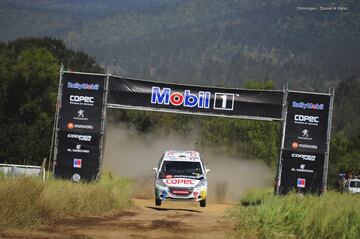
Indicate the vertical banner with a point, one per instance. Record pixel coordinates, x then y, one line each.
305 142
79 127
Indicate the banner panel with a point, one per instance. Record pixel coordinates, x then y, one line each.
82 103
302 172
125 93
307 122
305 142
79 126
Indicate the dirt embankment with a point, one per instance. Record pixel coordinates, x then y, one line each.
144 220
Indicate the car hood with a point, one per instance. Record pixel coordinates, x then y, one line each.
181 182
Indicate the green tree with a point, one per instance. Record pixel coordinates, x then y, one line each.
29 73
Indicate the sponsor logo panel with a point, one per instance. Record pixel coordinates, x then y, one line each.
305 135
78 149
80 115
224 101
76 177
81 100
306 119
77 163
301 182
71 125
306 157
302 169
187 99
296 145
200 100
80 137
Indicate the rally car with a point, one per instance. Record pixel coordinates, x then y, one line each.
181 175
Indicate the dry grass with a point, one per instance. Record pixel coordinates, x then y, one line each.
26 201
332 215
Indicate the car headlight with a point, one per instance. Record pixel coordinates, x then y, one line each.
202 183
160 183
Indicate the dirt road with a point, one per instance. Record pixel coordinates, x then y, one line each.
144 220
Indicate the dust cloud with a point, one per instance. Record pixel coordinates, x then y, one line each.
133 155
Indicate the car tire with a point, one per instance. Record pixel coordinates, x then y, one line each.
203 203
157 202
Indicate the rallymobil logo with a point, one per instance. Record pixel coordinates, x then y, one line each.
186 99
80 137
304 157
82 86
303 105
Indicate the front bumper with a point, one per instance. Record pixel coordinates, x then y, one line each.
179 193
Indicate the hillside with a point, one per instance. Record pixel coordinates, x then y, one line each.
211 42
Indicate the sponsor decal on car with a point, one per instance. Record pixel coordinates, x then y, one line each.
83 86
312 106
179 181
180 192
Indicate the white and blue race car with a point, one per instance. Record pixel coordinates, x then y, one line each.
181 175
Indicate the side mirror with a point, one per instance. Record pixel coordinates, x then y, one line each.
207 170
155 169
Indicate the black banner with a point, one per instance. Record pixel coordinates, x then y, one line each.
79 124
305 141
307 122
194 99
302 171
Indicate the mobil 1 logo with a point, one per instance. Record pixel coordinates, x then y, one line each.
224 101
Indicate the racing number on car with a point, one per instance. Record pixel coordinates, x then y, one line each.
224 101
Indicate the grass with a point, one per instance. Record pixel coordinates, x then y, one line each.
27 201
331 215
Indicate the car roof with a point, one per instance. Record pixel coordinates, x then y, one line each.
354 179
178 155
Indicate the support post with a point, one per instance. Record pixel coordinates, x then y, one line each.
104 120
328 137
283 121
56 121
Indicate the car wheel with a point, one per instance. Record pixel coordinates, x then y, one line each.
157 202
203 203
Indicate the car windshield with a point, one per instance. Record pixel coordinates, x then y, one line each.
355 184
177 168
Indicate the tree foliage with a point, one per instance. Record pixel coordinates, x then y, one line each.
29 72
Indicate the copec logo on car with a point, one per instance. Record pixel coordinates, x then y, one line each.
187 99
176 181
